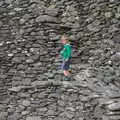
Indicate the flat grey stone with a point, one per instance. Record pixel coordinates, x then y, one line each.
50 112
71 109
1 24
49 75
34 118
52 11
26 103
115 117
40 83
47 18
108 14
15 89
22 31
58 77
94 26
26 81
19 88
18 9
15 116
117 15
112 113
8 1
22 21
3 115
42 110
114 106
29 61
10 54
81 118
69 115
1 43
116 38
1 3
25 112
17 59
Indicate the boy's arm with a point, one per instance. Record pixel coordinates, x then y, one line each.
62 51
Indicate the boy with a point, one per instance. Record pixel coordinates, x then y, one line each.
66 54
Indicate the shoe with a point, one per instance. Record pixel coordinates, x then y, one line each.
66 78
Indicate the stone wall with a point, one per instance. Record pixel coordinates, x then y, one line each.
30 79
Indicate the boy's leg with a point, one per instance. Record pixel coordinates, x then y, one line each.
65 67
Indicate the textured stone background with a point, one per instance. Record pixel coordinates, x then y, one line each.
30 79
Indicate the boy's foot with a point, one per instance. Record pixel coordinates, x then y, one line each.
66 78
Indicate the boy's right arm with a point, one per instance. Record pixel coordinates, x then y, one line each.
62 51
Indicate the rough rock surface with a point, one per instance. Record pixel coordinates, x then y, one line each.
31 86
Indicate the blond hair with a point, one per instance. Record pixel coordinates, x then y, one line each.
64 38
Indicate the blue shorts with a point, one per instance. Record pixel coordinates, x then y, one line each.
65 65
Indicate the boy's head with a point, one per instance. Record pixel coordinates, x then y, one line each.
64 40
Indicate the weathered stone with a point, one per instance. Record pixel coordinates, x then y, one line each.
26 103
17 59
40 83
25 112
58 77
69 115
115 117
19 88
8 1
15 89
108 14
46 18
3 115
93 27
52 11
30 61
34 118
10 54
1 23
29 37
1 3
50 112
49 75
117 15
26 81
22 31
1 44
15 116
22 21
42 110
114 106
71 109
18 9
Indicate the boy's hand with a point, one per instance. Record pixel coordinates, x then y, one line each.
66 60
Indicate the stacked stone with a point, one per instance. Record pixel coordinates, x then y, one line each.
30 31
52 101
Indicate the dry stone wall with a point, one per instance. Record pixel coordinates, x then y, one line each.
30 79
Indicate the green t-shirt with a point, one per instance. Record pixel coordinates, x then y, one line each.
66 52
